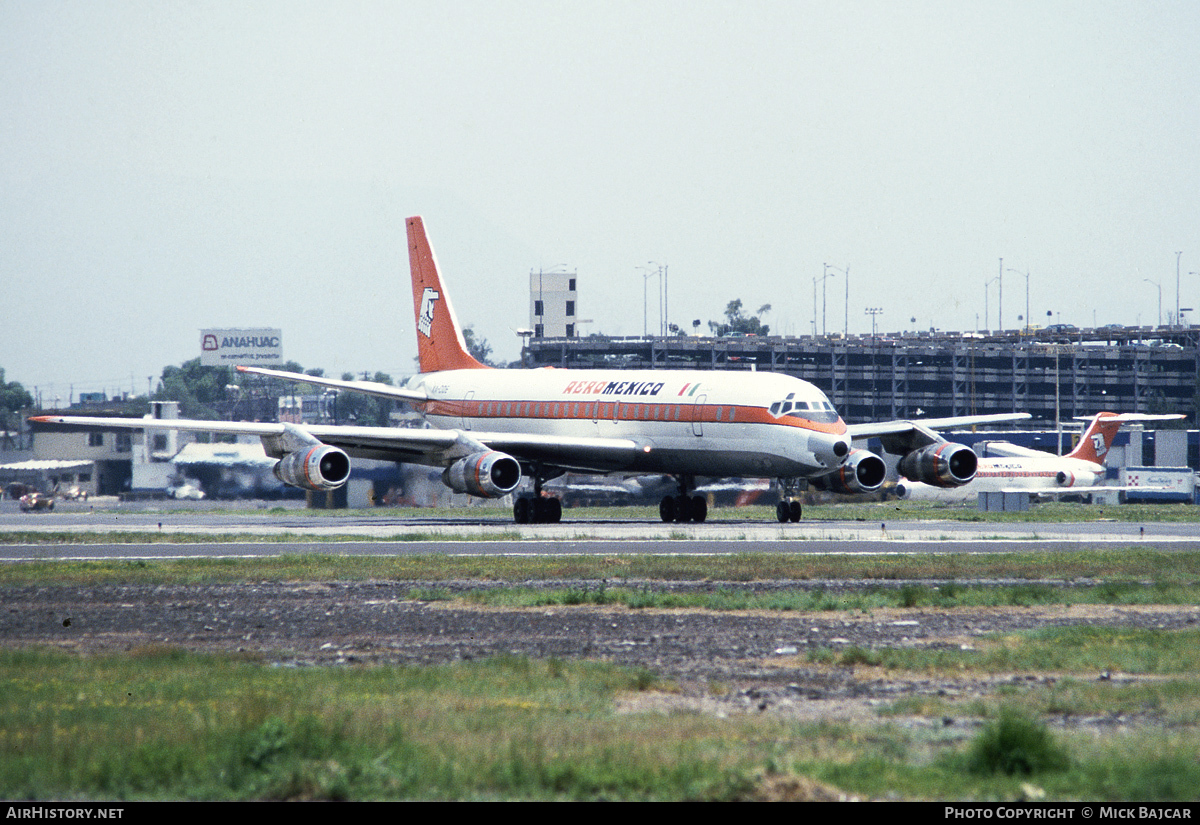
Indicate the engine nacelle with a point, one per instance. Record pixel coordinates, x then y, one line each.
1075 478
861 472
944 464
488 474
318 467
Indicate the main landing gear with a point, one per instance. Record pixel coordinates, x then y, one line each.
788 509
536 508
684 507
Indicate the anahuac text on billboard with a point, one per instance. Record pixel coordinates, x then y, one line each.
230 347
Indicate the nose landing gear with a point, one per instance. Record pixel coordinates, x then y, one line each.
789 509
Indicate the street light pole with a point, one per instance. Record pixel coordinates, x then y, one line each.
987 318
645 280
1026 274
873 312
1147 280
1000 303
845 272
1178 255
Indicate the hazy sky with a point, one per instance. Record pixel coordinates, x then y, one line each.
172 166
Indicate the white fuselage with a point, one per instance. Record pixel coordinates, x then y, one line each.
692 422
996 474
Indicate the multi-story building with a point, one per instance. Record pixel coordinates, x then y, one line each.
553 304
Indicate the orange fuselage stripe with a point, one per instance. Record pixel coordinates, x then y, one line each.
624 411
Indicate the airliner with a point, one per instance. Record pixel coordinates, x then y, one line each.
1007 467
497 432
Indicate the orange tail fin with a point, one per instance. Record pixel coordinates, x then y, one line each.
1097 438
440 344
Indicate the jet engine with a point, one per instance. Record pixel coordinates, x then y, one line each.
1074 478
318 467
489 474
861 472
942 464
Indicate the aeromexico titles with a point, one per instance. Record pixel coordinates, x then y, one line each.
499 432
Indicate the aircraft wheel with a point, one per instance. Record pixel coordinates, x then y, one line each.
537 510
699 509
521 510
783 512
553 510
794 510
683 509
666 509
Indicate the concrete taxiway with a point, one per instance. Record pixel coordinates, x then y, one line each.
275 531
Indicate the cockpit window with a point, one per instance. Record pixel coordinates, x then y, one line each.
818 411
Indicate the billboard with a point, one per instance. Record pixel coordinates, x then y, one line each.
230 347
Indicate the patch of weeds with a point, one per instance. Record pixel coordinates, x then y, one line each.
1015 744
1026 595
948 594
821 656
644 679
860 656
912 595
587 594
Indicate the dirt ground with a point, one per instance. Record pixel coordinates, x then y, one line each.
758 659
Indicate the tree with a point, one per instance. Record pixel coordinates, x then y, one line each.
366 410
478 346
13 396
739 322
197 388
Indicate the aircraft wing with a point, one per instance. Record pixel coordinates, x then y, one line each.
440 447
368 387
903 436
1006 449
1059 492
418 446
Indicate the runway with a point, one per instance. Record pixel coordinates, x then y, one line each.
275 532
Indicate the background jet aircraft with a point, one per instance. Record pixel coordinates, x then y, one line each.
491 429
1006 467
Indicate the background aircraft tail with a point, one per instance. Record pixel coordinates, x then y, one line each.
440 343
1098 437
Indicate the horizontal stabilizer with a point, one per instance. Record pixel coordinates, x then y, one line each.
367 387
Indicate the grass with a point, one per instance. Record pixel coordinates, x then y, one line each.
931 577
165 723
865 599
1072 649
161 723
